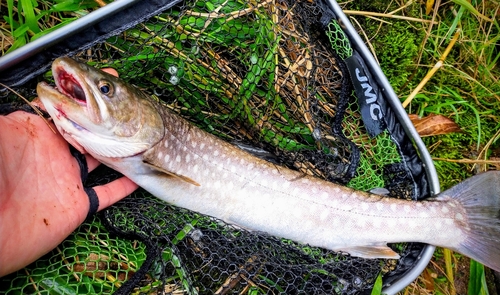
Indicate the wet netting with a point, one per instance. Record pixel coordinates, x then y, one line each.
270 77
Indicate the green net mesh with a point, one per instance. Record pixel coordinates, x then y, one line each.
262 74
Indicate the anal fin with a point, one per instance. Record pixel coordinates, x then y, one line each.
372 251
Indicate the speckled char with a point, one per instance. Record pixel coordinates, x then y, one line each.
187 167
257 195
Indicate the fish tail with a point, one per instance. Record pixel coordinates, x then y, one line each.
480 197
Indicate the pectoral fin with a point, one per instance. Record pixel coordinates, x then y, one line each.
169 173
372 251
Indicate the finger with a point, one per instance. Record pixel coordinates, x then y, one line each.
92 163
114 191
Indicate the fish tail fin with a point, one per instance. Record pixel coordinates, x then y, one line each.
480 197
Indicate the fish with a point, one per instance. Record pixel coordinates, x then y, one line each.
183 165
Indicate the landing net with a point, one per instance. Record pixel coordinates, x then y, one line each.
267 76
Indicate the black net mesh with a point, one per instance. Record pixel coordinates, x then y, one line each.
267 76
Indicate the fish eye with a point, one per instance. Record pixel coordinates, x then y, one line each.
105 88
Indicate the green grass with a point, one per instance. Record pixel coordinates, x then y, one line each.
27 20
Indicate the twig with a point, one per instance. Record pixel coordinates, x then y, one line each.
387 15
467 161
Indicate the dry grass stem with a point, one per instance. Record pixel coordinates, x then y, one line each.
387 15
434 69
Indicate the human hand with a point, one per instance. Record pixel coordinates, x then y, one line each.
42 200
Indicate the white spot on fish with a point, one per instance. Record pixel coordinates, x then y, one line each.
202 145
323 195
393 207
448 221
297 212
193 144
205 157
445 209
167 158
172 137
178 159
459 216
407 208
195 168
250 166
379 206
188 158
165 143
160 155
217 184
412 223
361 222
419 204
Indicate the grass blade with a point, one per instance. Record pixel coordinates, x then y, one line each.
29 14
477 281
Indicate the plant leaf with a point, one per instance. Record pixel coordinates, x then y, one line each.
428 6
29 14
477 281
471 8
377 287
434 125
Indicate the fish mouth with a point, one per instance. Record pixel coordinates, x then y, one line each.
68 85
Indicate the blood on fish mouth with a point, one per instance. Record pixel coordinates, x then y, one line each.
70 86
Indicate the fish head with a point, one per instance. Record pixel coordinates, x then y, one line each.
98 112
